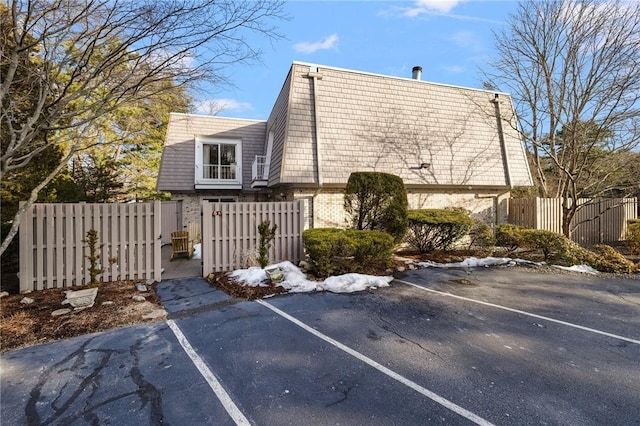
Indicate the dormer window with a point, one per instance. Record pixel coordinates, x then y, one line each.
218 163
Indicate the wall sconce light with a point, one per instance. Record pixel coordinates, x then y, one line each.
421 166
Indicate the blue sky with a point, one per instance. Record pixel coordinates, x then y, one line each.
450 39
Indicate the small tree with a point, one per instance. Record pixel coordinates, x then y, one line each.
93 257
377 201
267 235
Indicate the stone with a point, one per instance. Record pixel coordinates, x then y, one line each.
3 294
141 287
150 282
155 314
138 298
27 301
59 312
107 302
412 267
303 265
84 298
401 269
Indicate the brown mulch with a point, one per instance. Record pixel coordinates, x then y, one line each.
31 324
233 288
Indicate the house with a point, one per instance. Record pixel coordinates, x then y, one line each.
452 146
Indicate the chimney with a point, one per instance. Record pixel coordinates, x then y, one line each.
416 73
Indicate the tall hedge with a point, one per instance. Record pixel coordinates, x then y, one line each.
378 202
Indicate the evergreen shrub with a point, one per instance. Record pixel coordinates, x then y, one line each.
633 236
338 251
378 202
510 236
432 229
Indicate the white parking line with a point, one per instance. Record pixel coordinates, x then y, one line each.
413 385
493 305
208 375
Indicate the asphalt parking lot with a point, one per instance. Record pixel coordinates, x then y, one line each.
455 346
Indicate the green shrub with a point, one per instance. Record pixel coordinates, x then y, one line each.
481 237
267 235
376 201
510 236
338 251
557 248
431 229
609 260
633 236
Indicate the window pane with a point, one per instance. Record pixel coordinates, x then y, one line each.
228 154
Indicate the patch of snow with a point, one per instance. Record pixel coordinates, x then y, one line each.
197 251
349 283
471 262
585 269
295 281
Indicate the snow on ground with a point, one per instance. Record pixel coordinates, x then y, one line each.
197 251
475 262
586 269
295 281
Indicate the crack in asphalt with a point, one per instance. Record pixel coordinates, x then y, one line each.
76 363
185 313
345 395
390 329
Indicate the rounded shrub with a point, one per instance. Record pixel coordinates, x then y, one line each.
510 236
432 229
609 260
378 202
338 251
481 237
632 238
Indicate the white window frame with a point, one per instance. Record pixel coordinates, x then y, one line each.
203 183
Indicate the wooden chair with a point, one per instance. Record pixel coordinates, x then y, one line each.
193 228
180 244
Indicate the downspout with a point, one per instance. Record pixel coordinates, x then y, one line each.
315 75
503 146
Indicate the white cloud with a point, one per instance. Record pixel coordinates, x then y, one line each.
467 40
454 69
216 106
329 42
429 6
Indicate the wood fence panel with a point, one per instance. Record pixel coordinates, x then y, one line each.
230 232
600 220
52 251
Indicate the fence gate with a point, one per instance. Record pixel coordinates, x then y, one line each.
171 219
230 232
52 253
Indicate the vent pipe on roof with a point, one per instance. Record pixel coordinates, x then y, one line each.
416 73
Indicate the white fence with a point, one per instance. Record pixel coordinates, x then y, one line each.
171 219
599 220
230 232
52 253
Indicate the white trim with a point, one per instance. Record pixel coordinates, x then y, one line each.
183 114
268 154
397 78
202 183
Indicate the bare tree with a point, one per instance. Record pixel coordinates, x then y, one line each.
573 69
433 152
67 63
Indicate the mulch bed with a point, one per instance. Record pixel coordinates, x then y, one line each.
233 288
30 324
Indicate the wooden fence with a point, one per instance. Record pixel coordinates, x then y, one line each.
599 220
171 219
52 253
230 232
